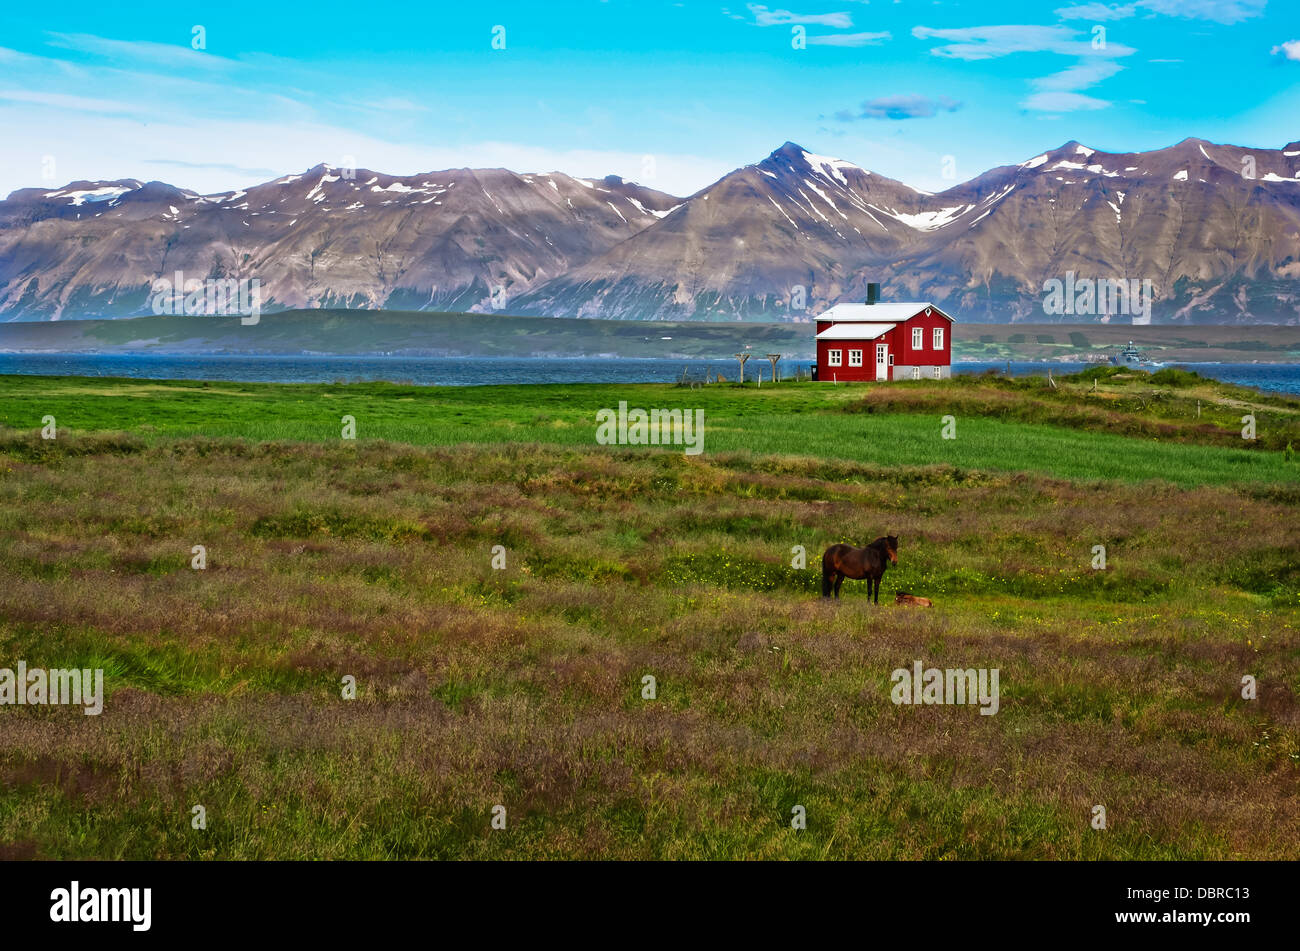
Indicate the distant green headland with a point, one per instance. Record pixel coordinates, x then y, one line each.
422 333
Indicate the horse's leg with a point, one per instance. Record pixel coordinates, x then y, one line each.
878 577
839 580
826 579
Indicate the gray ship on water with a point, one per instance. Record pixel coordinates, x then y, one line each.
1131 356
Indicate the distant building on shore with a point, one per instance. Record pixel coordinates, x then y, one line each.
884 341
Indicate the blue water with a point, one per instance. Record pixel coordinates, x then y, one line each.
477 371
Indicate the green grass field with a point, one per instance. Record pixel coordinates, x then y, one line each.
1009 426
522 686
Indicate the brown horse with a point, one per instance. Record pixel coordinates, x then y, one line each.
845 561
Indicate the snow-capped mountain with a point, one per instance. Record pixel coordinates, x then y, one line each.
1216 244
451 240
1215 228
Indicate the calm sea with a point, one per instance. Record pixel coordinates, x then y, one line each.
479 371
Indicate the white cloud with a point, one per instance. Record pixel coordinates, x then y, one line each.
990 42
1063 102
1055 93
1097 11
850 39
1290 49
163 55
13 56
1220 11
393 104
1059 92
261 174
1080 76
765 17
214 155
228 135
61 101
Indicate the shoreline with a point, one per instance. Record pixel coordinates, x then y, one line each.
451 335
1282 379
1074 359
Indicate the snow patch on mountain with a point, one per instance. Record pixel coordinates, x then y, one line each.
782 210
927 220
80 196
830 167
821 194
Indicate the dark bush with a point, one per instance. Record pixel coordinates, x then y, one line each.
1173 376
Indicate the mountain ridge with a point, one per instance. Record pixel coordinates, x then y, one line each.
1215 228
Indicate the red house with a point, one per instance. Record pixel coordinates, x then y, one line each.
875 341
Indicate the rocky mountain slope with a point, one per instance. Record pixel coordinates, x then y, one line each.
451 240
1214 228
1216 245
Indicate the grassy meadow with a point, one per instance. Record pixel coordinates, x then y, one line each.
522 686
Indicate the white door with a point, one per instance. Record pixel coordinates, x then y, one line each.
882 361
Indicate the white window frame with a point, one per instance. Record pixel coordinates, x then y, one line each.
938 373
938 338
916 373
833 358
918 338
855 358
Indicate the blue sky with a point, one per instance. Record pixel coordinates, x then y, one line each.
670 94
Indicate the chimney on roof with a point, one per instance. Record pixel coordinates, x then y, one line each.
873 293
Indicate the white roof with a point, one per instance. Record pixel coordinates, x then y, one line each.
892 312
856 330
